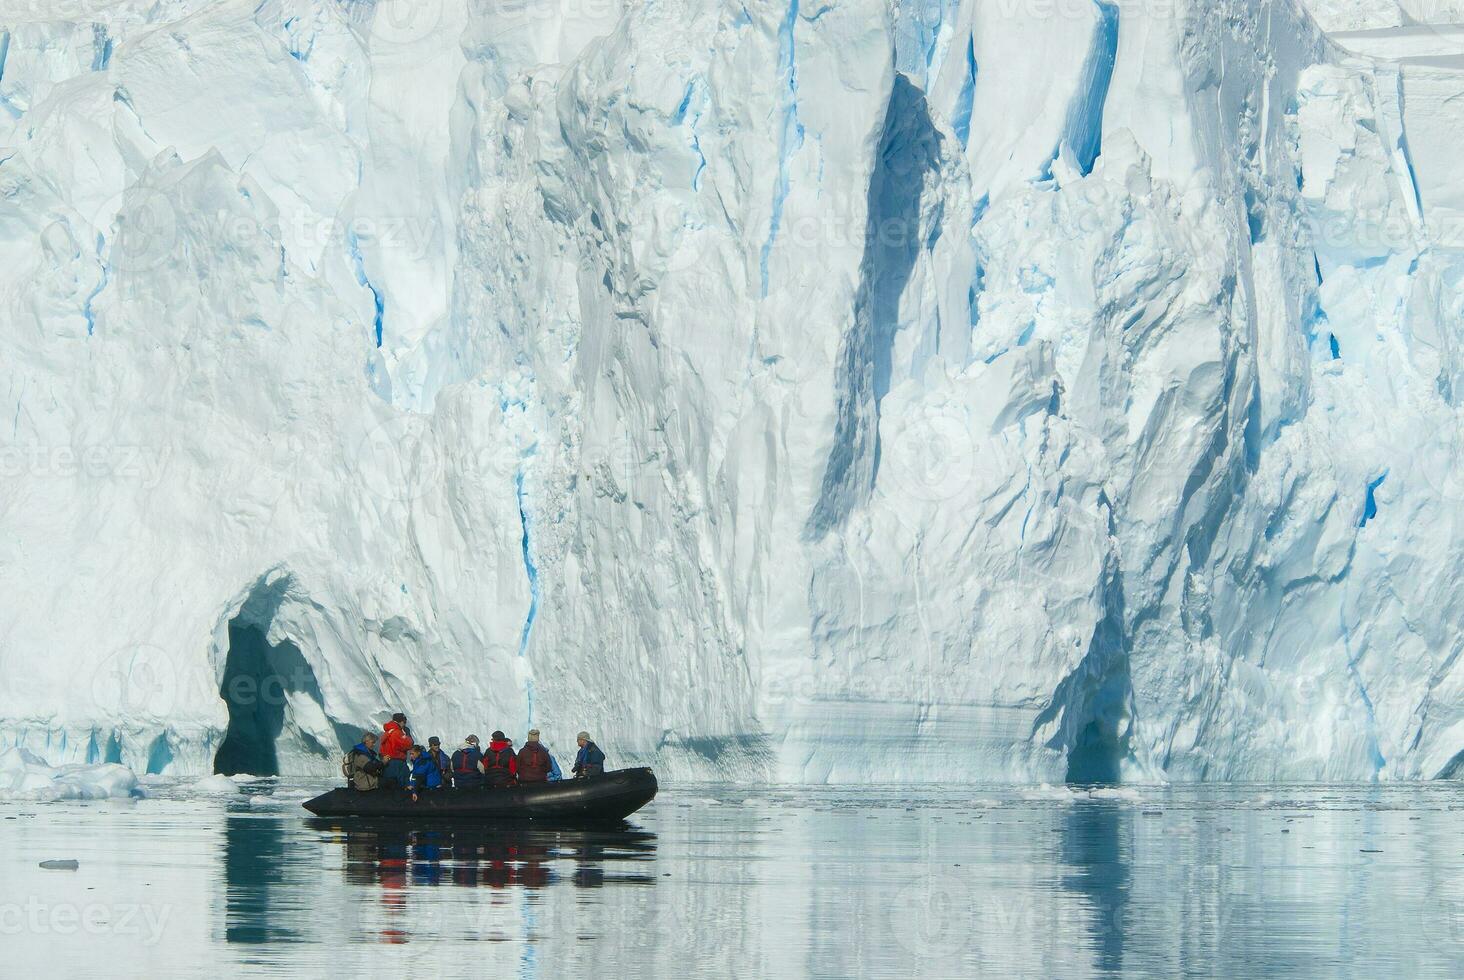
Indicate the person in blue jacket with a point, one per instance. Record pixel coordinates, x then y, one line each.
425 774
444 762
590 761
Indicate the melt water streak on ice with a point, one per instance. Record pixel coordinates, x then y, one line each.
1376 752
359 265
102 46
5 103
694 138
790 134
1083 131
532 571
961 119
87 311
1370 501
1405 154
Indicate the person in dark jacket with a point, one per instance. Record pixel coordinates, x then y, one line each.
466 770
425 774
398 772
444 763
590 761
362 767
534 761
500 765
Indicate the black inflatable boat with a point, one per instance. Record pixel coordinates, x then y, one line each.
610 796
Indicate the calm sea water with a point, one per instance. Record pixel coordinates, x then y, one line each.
721 881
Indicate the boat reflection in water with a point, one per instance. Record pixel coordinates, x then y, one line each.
401 856
403 864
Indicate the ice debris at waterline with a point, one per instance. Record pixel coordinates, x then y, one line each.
838 392
26 776
215 785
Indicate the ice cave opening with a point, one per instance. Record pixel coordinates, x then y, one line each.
259 680
1096 758
254 691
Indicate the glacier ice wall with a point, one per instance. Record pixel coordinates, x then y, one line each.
813 392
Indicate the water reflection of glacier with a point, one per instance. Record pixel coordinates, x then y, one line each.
984 882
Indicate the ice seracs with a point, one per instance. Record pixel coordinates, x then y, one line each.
837 392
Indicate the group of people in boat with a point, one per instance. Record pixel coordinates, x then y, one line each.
394 760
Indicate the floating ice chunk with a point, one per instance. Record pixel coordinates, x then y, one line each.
26 776
63 864
215 785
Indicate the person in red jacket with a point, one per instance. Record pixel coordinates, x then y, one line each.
396 738
500 765
534 762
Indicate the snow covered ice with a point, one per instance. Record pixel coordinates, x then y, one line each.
943 390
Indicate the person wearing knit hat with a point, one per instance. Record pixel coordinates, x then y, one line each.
590 761
500 764
466 773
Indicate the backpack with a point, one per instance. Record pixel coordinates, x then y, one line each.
533 760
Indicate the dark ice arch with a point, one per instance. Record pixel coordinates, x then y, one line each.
257 681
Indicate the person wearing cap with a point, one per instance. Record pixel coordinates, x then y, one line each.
590 761
440 758
535 764
500 765
466 765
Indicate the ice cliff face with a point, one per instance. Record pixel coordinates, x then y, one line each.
952 389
